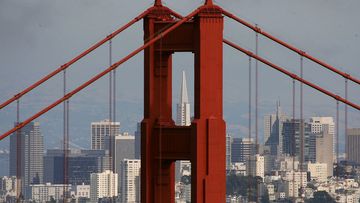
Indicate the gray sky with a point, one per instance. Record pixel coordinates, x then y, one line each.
36 36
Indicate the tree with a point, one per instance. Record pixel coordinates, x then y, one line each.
321 196
245 186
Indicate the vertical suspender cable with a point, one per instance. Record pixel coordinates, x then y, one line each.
337 138
250 136
256 90
18 154
301 123
346 121
65 139
256 106
293 139
110 128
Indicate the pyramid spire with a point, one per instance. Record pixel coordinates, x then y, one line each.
184 94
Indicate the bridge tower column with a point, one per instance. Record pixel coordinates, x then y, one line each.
203 143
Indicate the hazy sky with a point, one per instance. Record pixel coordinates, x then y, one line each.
36 36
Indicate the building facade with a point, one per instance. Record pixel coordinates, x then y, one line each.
102 129
353 146
241 149
130 181
103 185
31 153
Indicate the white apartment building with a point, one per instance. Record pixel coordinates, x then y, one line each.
300 178
44 192
130 181
318 171
255 166
82 191
103 185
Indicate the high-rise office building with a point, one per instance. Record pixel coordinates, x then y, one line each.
81 163
228 151
130 181
102 129
292 144
103 185
241 149
31 153
324 149
138 141
319 124
124 149
183 107
273 127
353 147
183 118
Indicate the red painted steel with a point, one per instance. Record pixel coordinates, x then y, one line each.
292 48
72 61
98 76
292 75
203 143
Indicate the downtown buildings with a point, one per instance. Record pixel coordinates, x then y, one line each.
27 160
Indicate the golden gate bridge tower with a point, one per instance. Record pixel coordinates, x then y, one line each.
203 143
162 142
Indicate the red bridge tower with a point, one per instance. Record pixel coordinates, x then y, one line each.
203 143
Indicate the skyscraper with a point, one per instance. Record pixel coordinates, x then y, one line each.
130 181
320 124
138 141
31 153
228 151
183 107
353 147
273 127
241 149
124 149
102 129
324 149
291 143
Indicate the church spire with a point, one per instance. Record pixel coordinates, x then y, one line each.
184 94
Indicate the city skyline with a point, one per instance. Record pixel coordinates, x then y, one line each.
220 135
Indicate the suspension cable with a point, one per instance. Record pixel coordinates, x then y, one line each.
346 121
250 135
337 138
292 75
290 47
293 140
18 154
65 138
301 124
256 107
256 91
110 127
